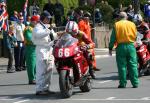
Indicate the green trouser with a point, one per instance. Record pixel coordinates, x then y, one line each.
126 58
30 56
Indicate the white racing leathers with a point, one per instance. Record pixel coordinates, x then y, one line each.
44 57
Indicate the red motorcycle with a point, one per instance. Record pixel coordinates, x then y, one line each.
143 56
71 65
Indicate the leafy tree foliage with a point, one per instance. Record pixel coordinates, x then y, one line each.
18 4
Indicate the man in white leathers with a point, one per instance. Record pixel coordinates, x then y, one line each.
44 58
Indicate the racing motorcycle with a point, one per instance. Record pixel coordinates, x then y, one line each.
143 56
72 66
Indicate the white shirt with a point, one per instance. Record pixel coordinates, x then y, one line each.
18 31
41 35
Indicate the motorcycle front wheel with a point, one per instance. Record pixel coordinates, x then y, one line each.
66 88
87 86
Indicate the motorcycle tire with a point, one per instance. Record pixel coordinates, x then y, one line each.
65 85
87 86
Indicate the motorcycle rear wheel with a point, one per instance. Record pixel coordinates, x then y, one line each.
65 85
87 86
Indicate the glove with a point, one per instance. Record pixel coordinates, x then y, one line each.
84 47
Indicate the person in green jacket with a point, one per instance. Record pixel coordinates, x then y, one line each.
30 53
124 34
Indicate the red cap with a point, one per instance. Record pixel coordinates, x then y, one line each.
35 18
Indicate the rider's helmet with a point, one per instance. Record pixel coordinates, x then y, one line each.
72 28
137 19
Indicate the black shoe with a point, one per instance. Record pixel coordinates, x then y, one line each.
92 74
32 82
10 70
120 86
41 93
46 92
18 69
135 86
97 69
23 68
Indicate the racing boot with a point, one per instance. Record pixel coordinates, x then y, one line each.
92 72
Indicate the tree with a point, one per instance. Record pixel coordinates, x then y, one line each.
18 4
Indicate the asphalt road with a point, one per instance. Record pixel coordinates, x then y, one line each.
14 88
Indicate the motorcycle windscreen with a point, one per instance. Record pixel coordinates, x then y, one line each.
66 47
65 41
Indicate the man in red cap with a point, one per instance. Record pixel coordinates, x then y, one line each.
30 53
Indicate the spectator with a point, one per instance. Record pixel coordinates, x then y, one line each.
8 38
117 11
58 13
147 11
14 18
20 14
28 21
34 9
50 8
11 43
98 16
78 14
30 50
71 11
130 12
19 50
70 16
124 34
44 48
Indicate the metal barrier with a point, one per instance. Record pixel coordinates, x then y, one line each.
57 29
102 36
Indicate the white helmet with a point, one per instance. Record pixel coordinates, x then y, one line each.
138 17
72 27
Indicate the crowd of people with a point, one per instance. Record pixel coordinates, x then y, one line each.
30 45
29 42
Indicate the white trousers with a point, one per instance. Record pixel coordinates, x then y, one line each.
43 70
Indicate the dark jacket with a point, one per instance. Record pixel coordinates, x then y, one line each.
9 40
58 9
50 8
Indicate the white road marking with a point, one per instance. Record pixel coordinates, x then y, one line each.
101 49
111 99
106 81
146 98
8 99
21 101
104 56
